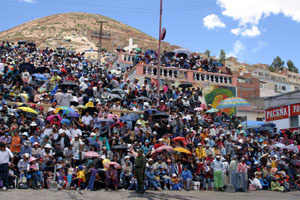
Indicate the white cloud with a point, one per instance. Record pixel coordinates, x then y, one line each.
243 31
27 1
250 12
238 49
260 45
212 21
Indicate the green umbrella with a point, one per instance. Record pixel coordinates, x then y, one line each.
212 110
138 49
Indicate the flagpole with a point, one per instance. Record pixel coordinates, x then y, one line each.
158 62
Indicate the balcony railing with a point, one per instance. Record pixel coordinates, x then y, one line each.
212 78
182 75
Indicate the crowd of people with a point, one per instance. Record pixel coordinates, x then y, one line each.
182 59
57 128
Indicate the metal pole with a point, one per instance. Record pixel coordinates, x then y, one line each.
100 42
158 62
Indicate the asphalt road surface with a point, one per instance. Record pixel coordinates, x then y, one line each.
16 194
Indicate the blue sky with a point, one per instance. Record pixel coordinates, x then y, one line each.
255 31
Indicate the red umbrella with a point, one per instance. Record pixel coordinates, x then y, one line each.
51 117
164 147
116 165
158 145
91 154
180 139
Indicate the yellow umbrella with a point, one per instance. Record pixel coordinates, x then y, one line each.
182 150
89 105
27 109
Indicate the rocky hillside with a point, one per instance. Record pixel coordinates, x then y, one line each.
75 31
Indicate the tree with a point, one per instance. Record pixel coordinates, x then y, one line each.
277 63
291 66
222 55
207 52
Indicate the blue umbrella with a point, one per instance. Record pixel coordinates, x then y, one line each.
218 64
55 70
130 117
40 76
73 114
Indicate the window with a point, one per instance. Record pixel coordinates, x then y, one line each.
283 88
261 85
294 121
276 88
296 88
260 74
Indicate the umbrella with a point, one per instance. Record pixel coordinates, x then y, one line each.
144 99
185 85
40 76
41 69
164 147
31 44
27 109
198 109
138 50
182 51
170 54
51 117
160 115
73 114
69 84
30 67
91 154
150 111
120 146
22 42
118 91
218 64
182 150
212 110
115 97
280 145
107 121
90 110
181 139
233 102
65 109
130 117
116 165
56 70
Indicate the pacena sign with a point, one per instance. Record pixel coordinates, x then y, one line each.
277 113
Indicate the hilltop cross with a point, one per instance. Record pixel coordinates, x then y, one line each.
131 45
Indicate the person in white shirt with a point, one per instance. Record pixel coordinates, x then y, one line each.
5 155
47 130
75 131
77 143
86 119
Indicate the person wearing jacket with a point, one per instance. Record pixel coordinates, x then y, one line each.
151 178
186 177
218 167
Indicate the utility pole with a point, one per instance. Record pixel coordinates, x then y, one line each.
100 41
158 62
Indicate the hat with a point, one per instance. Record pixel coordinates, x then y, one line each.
154 133
139 123
103 157
33 124
174 175
126 157
160 140
32 159
150 159
199 144
256 163
36 143
80 167
48 146
85 79
25 134
26 142
156 124
240 126
147 141
93 134
26 155
141 150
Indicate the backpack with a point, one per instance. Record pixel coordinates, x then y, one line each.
23 183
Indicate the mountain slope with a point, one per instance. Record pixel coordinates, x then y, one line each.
76 31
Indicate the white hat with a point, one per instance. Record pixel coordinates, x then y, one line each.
25 134
85 79
48 146
26 155
240 126
139 123
33 124
50 109
93 134
160 140
174 175
154 133
206 139
156 124
103 157
126 157
240 140
199 144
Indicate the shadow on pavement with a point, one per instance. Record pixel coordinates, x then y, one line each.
152 195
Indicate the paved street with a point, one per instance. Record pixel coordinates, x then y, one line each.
151 195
